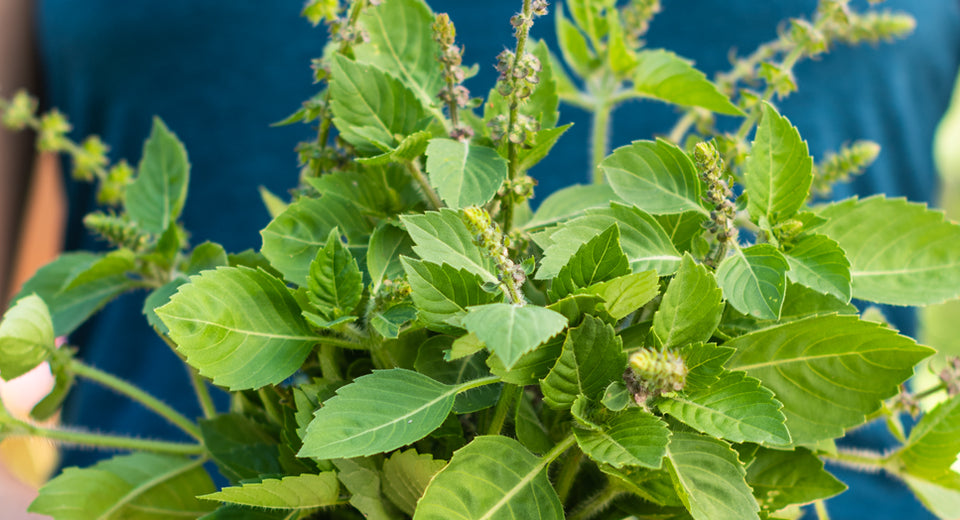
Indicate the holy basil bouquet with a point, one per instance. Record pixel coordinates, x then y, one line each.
412 340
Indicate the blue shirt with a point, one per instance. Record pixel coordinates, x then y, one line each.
219 72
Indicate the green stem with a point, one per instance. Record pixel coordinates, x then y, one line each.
558 450
122 387
600 139
477 383
568 474
203 393
111 441
414 169
596 503
930 391
328 363
340 342
751 119
821 508
861 460
508 395
513 154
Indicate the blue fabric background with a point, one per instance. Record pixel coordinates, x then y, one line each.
219 72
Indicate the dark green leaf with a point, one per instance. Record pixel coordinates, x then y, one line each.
781 478
529 428
633 437
207 255
155 198
571 202
240 327
381 191
335 283
158 298
598 260
592 358
532 366
430 362
387 244
362 478
242 448
442 293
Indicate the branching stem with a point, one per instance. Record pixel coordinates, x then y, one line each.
513 152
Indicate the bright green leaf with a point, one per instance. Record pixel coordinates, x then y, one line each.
464 174
779 170
26 337
238 326
598 260
406 475
934 442
378 190
511 331
709 478
735 407
681 319
292 240
442 293
543 142
625 294
443 236
492 478
137 487
592 358
828 371
362 479
941 497
305 491
663 75
704 364
817 262
155 198
657 177
400 41
431 363
633 437
573 45
754 280
335 283
410 148
378 412
900 252
643 240
571 202
387 244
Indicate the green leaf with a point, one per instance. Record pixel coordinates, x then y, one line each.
598 260
529 428
410 148
532 366
26 337
242 448
464 174
371 108
378 412
704 364
406 475
681 319
573 46
779 170
817 262
900 252
305 491
335 282
780 478
292 240
158 298
736 408
934 442
362 478
274 204
543 142
389 322
235 512
63 378
663 75
493 478
207 255
511 331
592 358
813 364
657 177
387 244
709 478
318 10
633 437
443 236
651 485
400 41
754 280
625 294
137 486
378 190
941 497
571 202
643 240
238 326
589 17
431 363
443 293
683 228
155 198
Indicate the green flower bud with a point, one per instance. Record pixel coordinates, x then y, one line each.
21 110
